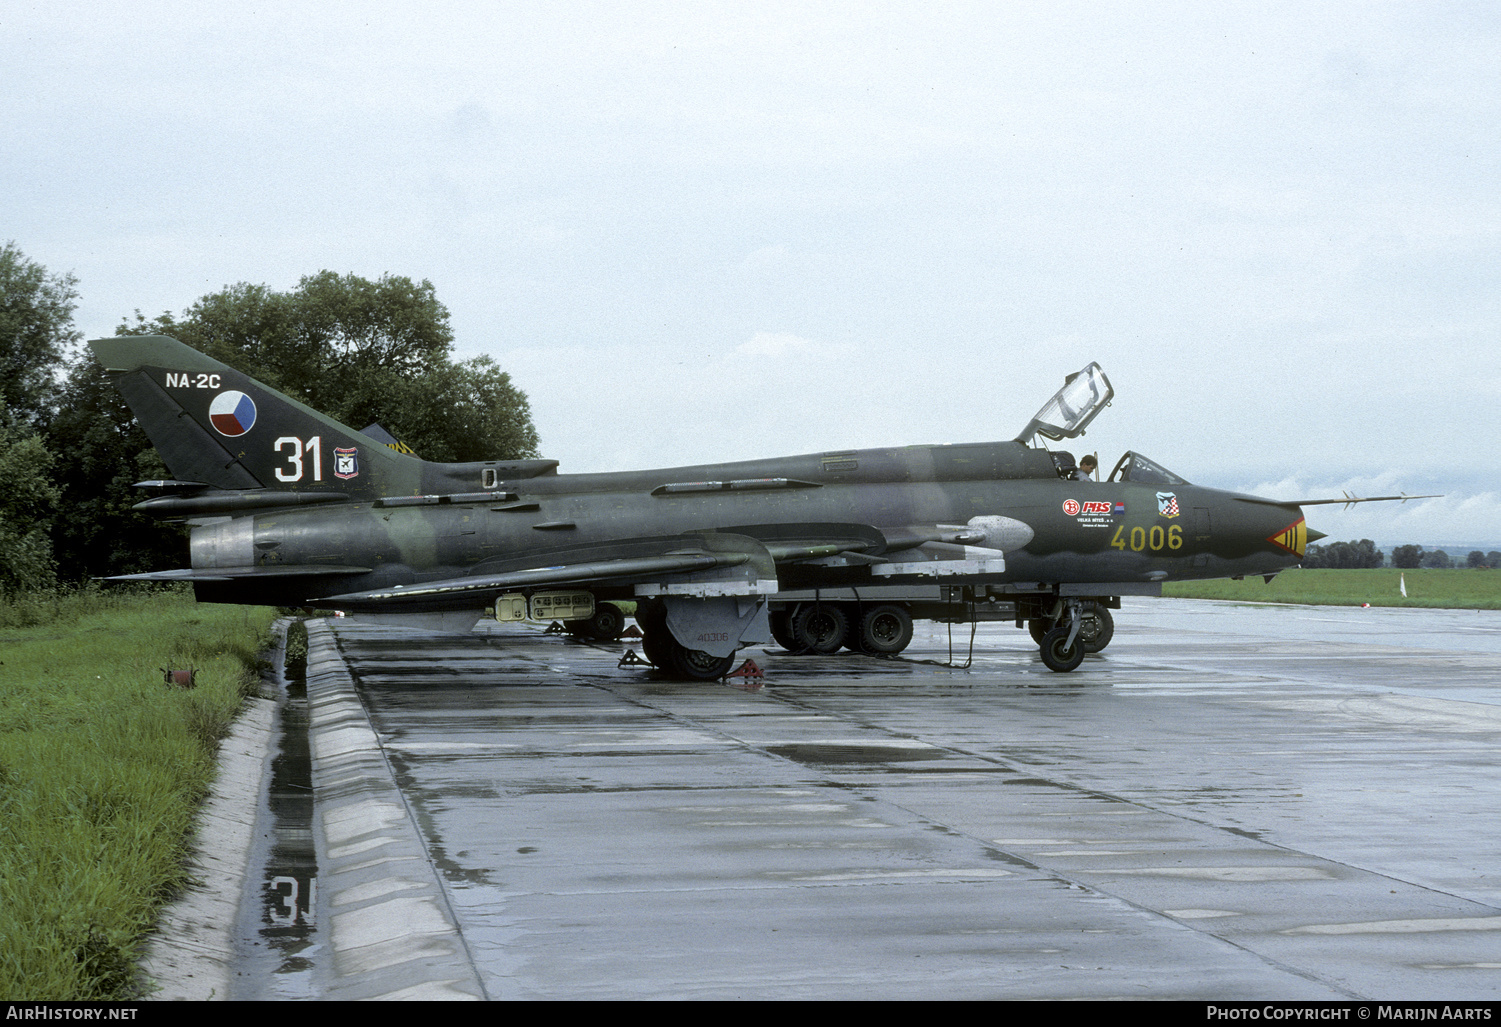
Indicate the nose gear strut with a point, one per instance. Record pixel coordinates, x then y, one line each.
1061 647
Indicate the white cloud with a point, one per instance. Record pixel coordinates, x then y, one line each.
1276 227
784 345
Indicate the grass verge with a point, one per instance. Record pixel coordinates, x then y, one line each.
102 768
1465 589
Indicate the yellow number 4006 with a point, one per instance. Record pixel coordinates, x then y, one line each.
1155 539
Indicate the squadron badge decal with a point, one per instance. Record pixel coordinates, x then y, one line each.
1167 504
346 463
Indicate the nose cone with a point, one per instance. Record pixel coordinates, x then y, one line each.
1314 536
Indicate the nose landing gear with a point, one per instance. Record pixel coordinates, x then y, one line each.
1079 627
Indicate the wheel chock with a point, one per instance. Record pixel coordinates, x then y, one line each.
631 632
556 628
747 672
630 659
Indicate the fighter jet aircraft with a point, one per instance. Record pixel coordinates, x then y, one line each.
294 509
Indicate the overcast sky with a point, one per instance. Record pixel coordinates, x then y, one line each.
697 232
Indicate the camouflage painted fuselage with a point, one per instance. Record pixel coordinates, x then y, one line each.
305 510
1082 531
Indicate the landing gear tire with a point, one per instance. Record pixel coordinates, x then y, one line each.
884 630
1096 627
669 655
819 628
605 626
695 665
1057 653
651 617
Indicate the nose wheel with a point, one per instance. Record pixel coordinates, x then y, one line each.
1095 629
1082 627
1060 652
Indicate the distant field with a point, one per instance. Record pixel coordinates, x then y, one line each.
1452 589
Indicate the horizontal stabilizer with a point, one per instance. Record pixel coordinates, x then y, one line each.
244 573
217 501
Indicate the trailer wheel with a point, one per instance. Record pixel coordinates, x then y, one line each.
607 623
819 628
885 630
781 630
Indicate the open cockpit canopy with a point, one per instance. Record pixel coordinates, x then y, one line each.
1084 394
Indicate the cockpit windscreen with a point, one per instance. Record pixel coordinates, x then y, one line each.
1135 467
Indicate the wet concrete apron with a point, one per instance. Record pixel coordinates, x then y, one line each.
1225 804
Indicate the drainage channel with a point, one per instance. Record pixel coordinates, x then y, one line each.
278 932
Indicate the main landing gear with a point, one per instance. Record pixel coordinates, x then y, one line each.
670 655
884 629
1065 632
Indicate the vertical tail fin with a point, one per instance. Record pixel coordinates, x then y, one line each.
215 425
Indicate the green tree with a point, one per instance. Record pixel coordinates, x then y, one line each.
100 454
360 351
28 504
1408 557
1367 555
36 327
1344 555
363 352
454 411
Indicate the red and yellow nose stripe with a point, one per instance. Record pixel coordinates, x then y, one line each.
1293 538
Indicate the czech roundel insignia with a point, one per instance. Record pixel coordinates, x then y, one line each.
1167 504
232 413
346 463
